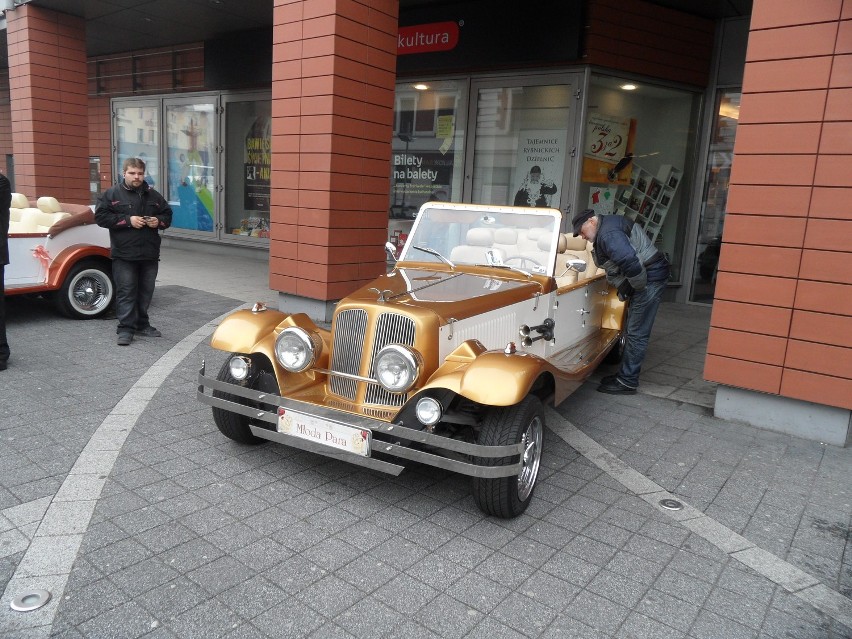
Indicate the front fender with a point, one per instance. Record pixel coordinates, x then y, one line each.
242 331
493 378
499 379
254 333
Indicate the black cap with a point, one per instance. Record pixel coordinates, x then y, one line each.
580 219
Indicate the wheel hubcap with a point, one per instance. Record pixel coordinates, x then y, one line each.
89 294
531 458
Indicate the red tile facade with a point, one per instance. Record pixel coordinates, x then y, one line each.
333 81
782 317
47 59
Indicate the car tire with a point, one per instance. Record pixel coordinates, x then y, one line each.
233 425
88 290
508 497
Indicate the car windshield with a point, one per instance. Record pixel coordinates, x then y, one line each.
522 238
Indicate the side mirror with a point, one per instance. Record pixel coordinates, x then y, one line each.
576 265
390 249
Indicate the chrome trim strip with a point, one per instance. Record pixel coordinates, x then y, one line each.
387 429
357 378
342 455
454 465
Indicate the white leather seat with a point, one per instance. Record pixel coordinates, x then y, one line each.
48 204
19 201
35 220
16 208
506 239
478 240
576 248
528 239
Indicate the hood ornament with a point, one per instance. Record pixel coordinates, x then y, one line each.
258 307
382 294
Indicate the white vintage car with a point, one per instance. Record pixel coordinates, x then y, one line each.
57 250
489 313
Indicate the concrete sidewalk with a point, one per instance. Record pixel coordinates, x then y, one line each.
119 496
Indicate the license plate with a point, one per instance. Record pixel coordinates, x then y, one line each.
320 431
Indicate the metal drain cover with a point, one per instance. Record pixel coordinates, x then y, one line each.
671 504
31 600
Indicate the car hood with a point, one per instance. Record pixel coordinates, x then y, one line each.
446 293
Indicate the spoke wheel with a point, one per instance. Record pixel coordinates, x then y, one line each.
87 291
508 497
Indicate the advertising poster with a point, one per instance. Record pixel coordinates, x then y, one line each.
539 167
257 165
418 177
602 199
190 154
609 141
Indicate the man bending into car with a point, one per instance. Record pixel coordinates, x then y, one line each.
639 272
134 213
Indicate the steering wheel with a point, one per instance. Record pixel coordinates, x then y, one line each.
524 260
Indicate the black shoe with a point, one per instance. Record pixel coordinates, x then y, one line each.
124 339
149 331
3 366
609 379
616 387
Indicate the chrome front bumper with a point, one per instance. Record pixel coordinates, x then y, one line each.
392 440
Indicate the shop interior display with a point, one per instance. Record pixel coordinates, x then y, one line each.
648 197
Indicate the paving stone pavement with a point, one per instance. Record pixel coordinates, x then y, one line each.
118 494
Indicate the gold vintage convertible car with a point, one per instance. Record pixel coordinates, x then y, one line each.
447 360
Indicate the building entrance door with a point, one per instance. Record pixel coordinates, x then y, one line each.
521 150
192 158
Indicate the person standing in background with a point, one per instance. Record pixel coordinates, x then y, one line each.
134 213
5 203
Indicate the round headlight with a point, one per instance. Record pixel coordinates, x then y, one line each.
428 411
239 367
397 367
296 349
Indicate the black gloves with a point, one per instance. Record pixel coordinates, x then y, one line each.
625 291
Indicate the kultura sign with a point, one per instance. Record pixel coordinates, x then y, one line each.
423 38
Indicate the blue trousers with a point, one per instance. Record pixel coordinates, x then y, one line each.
640 320
134 288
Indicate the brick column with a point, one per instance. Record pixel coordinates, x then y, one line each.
334 71
782 317
47 87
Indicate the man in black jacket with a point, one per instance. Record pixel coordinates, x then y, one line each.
639 272
134 213
5 202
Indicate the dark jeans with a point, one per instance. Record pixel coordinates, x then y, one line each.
4 345
134 288
640 319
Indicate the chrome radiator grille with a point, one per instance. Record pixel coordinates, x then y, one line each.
390 329
350 331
